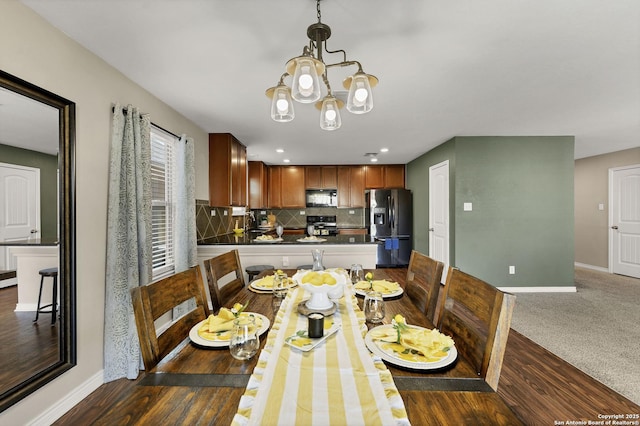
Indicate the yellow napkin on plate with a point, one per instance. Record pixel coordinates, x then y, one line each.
266 282
217 327
383 286
430 344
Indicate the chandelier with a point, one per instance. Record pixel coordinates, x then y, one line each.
307 70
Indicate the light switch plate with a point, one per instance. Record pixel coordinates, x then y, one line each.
601 206
467 207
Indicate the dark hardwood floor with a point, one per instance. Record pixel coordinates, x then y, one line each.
27 347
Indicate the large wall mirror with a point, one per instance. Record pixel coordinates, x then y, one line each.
37 232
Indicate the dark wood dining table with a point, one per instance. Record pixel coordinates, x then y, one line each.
204 385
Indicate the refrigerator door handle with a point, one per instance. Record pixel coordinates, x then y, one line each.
392 214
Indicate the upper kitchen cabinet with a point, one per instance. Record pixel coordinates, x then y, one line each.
384 176
286 187
351 180
321 177
227 171
258 185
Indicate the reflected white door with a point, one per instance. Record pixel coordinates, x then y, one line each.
19 206
439 213
624 220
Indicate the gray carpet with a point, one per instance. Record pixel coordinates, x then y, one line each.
596 329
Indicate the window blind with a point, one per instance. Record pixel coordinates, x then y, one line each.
162 203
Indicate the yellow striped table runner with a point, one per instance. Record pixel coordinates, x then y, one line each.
339 382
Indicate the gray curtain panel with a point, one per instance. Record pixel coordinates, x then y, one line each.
128 238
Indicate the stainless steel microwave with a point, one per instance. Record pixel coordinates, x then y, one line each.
322 198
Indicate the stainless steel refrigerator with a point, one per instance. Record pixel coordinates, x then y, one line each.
389 215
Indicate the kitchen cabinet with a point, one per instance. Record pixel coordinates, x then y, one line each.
321 177
351 186
227 171
394 176
258 185
286 187
384 176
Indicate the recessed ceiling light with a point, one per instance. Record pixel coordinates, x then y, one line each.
384 149
374 160
286 160
280 150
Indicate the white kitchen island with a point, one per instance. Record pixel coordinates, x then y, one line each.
338 252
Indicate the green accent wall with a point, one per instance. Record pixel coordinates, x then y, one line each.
521 189
48 165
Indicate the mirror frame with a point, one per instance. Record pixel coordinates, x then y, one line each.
67 238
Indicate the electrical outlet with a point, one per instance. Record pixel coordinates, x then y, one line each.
512 270
352 212
285 261
302 212
213 213
226 213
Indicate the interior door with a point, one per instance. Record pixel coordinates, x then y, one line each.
439 213
624 220
19 207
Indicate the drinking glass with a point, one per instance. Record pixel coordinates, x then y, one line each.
356 273
244 342
374 307
310 230
317 259
279 230
280 284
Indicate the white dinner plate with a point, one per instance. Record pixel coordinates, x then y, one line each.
256 284
309 240
390 356
273 240
391 295
195 337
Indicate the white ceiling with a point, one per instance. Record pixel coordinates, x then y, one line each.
446 68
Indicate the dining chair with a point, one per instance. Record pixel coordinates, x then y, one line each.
152 301
423 282
217 269
478 317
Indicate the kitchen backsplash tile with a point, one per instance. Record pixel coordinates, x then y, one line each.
291 218
220 224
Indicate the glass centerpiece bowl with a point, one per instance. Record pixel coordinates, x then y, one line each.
320 286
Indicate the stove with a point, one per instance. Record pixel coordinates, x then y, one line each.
323 225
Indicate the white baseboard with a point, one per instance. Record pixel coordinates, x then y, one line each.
26 307
9 282
69 401
595 268
567 289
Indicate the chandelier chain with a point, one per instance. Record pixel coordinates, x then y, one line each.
318 9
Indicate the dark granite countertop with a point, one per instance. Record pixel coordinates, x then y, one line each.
30 242
249 239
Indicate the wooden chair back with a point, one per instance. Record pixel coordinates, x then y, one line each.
152 301
424 276
218 267
478 317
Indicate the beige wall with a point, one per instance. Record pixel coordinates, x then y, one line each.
592 189
35 51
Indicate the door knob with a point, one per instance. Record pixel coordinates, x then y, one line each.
431 229
614 227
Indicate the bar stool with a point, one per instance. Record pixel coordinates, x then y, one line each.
309 267
254 270
53 273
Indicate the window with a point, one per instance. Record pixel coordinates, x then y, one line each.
162 202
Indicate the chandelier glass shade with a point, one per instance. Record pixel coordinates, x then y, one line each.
308 72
